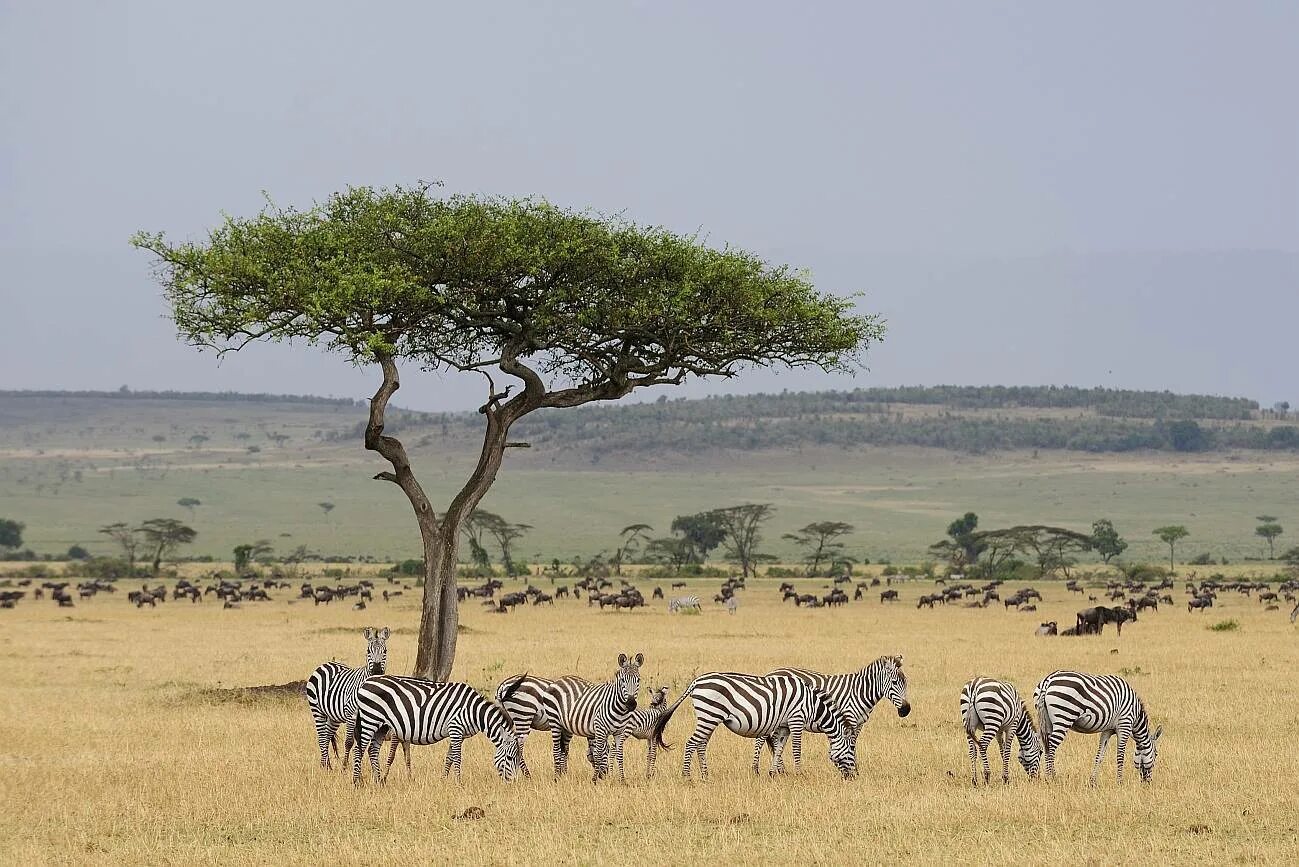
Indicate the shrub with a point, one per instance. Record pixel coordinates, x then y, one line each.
890 570
76 552
1205 559
1225 626
409 567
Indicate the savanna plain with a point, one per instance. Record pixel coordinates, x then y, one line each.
126 737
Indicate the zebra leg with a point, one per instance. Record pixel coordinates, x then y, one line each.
1121 748
523 766
1003 740
559 743
1050 745
324 737
697 746
1100 754
599 743
376 743
777 744
796 744
984 743
757 754
453 754
649 758
974 759
618 742
392 754
356 761
405 751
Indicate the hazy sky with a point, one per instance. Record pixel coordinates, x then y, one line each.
1081 193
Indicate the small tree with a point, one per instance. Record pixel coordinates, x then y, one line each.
197 440
632 535
163 536
742 526
189 504
128 538
505 534
1170 536
11 533
572 307
1106 540
820 541
249 553
670 551
701 532
961 549
1268 531
326 507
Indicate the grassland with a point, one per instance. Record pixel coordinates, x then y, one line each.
121 744
70 465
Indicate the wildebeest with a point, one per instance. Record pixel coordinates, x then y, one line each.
1047 628
1092 620
889 596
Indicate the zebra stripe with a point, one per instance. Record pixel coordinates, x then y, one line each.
523 697
640 725
995 707
1092 704
574 707
771 709
677 603
417 711
857 693
331 694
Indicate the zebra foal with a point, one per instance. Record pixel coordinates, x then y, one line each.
1103 704
994 706
331 693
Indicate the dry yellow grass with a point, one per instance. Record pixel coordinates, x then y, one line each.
116 748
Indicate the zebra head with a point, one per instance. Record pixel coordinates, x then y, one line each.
1030 744
627 680
658 697
376 650
896 684
827 719
1147 748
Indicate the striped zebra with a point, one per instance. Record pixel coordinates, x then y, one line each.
1092 704
331 694
417 711
857 693
770 708
593 712
640 725
679 603
523 697
995 707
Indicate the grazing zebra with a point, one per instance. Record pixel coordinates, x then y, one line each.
594 713
331 693
523 697
995 707
417 711
770 709
677 603
641 726
857 693
731 604
1095 703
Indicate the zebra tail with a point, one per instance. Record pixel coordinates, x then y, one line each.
971 724
662 722
510 690
1043 716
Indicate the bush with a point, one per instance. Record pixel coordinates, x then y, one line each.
1225 626
890 570
1205 559
76 552
409 567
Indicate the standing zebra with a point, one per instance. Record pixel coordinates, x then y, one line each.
418 711
523 697
770 708
679 603
995 707
857 693
640 725
331 693
594 713
1095 703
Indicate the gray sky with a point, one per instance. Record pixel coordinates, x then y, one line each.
1089 194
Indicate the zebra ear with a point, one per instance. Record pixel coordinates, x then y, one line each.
369 633
384 633
898 660
1159 731
640 660
622 660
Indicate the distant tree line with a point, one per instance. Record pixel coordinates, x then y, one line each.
125 393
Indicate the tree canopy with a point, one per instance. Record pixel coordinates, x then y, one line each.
11 533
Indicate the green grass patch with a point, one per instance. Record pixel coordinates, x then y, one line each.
1225 626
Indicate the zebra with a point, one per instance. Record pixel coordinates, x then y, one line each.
995 707
1092 704
594 713
641 726
857 693
677 603
771 709
331 694
1294 614
523 697
417 711
731 604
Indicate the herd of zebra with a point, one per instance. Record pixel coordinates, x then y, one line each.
772 709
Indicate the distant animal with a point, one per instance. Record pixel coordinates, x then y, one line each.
994 708
331 693
658 593
731 604
1103 704
681 603
1048 628
889 596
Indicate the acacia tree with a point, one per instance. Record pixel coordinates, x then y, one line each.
821 540
1268 530
163 536
569 306
1170 536
128 538
701 533
742 525
632 535
1106 540
189 504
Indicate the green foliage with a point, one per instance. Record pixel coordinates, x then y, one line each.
249 553
76 552
1268 531
742 528
11 533
1170 536
409 567
1205 559
1106 541
821 542
1187 436
701 533
1225 626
